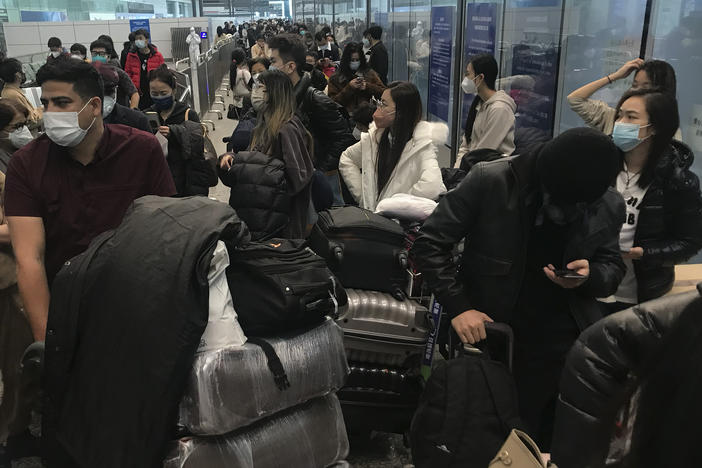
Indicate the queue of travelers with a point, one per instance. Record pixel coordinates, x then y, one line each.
558 237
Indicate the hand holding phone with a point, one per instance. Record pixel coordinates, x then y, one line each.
572 276
568 274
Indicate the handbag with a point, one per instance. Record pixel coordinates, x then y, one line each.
519 451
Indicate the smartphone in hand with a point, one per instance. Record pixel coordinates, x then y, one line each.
568 274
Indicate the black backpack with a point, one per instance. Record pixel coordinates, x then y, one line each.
467 410
281 285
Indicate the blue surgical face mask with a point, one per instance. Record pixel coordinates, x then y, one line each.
99 58
626 135
163 102
140 43
354 64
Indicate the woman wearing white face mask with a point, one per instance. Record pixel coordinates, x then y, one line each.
398 154
239 78
355 82
14 133
490 122
271 182
663 225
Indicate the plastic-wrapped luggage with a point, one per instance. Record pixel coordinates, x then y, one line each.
233 387
379 329
309 436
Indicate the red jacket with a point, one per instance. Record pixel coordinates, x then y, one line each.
133 64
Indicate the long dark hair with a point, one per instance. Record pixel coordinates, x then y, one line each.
662 110
408 113
279 109
661 74
344 67
486 65
667 404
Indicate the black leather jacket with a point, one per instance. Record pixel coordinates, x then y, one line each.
326 121
596 374
670 222
494 208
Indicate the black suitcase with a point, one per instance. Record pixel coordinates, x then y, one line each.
364 250
380 398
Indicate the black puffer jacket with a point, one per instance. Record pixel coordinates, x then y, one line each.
670 222
271 193
259 192
596 374
327 123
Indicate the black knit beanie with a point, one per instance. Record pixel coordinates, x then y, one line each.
578 165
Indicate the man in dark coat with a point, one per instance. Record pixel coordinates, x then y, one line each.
542 234
323 117
113 112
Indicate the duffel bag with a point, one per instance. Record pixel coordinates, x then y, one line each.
281 285
365 250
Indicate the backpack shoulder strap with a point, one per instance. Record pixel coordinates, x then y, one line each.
274 364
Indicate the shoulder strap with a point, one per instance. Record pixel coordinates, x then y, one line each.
187 113
274 364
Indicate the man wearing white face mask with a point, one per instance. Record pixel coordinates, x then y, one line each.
73 183
56 50
112 111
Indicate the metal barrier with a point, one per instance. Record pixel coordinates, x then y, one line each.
212 72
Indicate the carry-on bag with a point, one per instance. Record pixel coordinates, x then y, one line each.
381 330
365 250
281 285
467 410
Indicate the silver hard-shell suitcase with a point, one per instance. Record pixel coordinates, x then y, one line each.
379 329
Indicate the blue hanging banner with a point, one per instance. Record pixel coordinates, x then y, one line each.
135 25
440 61
481 30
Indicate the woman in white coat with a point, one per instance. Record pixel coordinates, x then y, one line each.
398 154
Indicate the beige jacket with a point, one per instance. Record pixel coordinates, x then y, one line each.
493 127
598 114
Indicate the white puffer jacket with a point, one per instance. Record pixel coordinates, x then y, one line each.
417 172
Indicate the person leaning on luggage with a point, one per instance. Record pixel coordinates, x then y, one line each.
528 217
74 182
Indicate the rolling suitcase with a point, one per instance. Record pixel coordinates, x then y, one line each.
385 340
364 250
380 329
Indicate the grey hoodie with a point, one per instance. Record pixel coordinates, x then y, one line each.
493 128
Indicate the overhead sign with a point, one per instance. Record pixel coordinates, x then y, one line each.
203 35
137 24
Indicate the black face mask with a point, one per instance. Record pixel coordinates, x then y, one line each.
308 67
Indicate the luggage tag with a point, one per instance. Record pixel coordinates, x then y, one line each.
436 311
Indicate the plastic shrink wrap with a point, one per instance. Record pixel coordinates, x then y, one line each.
311 435
232 387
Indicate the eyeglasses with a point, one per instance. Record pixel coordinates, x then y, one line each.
99 54
381 105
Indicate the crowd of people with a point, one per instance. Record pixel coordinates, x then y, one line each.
558 236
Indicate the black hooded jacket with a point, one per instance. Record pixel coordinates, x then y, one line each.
327 123
669 228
